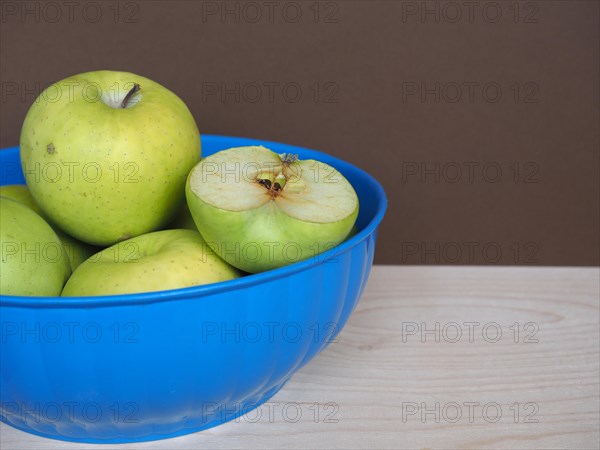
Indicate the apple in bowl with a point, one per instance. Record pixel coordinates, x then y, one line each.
33 262
106 154
162 260
260 210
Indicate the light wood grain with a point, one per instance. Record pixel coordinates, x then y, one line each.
378 371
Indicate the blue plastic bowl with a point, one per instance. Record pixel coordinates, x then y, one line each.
140 367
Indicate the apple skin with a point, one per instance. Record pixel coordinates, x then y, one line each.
34 262
102 173
77 251
247 240
167 259
21 194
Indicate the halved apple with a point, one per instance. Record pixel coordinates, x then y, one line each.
259 210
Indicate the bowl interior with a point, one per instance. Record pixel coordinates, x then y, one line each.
371 196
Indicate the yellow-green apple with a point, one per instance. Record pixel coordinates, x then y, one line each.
157 261
106 154
77 251
34 262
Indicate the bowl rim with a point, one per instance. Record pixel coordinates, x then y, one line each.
229 285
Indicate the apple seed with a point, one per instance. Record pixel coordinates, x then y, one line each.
266 183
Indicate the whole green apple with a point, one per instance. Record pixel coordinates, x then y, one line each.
77 251
106 154
34 262
259 210
157 261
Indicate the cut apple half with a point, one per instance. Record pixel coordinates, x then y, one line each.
260 210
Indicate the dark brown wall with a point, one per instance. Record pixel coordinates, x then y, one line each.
482 128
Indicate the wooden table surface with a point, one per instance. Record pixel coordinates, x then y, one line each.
452 357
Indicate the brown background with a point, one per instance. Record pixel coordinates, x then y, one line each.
363 58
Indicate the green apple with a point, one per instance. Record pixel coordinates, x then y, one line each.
157 261
21 194
106 154
259 210
34 262
77 251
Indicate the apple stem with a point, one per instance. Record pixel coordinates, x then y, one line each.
136 87
288 158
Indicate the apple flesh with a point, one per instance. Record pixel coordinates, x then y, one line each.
168 259
259 210
34 262
106 155
77 251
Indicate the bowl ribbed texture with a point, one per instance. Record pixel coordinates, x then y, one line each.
179 361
